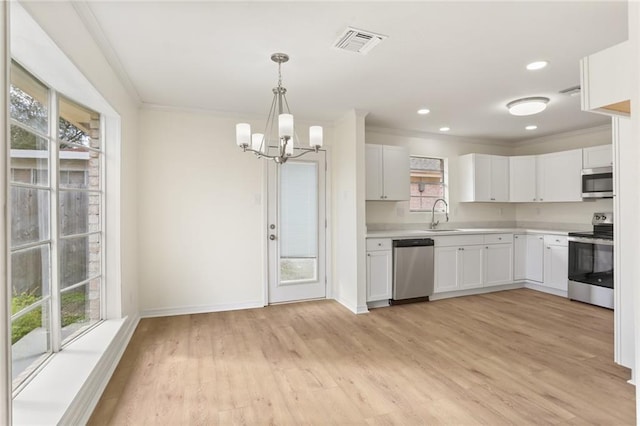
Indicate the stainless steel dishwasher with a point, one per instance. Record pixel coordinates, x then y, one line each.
412 270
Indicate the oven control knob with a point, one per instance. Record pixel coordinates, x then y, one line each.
597 217
604 217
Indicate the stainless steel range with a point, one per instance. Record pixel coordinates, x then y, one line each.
591 263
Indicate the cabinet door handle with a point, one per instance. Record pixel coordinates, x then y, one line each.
548 248
516 237
369 254
541 199
534 199
499 238
493 199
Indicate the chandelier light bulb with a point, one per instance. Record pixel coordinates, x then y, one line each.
243 134
315 136
256 142
285 125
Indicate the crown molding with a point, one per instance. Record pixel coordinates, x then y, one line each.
90 21
577 132
440 136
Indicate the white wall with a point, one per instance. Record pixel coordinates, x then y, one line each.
441 146
347 176
61 22
200 215
450 147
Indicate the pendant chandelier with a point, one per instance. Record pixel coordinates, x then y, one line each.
267 145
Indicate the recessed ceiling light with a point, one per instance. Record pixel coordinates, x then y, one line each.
537 65
444 129
531 127
527 106
423 111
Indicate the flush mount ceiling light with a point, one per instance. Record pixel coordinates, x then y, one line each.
537 65
531 127
444 129
527 106
423 111
267 145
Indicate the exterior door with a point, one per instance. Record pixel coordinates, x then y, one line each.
296 229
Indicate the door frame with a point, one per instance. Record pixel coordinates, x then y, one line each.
328 246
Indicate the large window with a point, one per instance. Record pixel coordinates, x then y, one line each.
56 205
428 183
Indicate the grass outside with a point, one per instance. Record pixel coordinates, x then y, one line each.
73 311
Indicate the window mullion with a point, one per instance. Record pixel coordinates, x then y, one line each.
56 320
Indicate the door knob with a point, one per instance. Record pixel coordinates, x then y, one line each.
272 237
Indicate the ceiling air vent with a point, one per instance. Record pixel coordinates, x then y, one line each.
571 91
358 41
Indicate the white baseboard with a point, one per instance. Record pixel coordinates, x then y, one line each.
473 291
201 309
360 309
82 406
378 304
538 287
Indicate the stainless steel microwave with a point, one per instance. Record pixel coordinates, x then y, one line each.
597 183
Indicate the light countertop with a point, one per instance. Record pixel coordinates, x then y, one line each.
407 233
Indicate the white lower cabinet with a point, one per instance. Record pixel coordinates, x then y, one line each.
470 267
458 268
379 269
446 269
498 264
535 258
519 257
475 261
556 262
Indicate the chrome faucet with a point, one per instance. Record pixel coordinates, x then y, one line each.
433 209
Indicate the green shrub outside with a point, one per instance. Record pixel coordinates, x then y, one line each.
73 311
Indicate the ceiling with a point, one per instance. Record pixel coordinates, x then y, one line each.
463 60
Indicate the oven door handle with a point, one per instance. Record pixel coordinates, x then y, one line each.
590 241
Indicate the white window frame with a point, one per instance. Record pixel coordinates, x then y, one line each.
445 184
36 52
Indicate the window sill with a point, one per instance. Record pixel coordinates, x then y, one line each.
73 379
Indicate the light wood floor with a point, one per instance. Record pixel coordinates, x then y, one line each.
512 357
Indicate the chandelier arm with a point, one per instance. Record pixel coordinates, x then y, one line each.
260 154
304 152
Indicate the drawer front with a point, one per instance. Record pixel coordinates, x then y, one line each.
375 244
458 240
498 238
556 240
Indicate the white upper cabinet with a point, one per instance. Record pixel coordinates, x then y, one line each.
559 176
484 177
605 79
522 179
387 173
597 156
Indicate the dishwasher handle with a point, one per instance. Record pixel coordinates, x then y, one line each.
416 242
